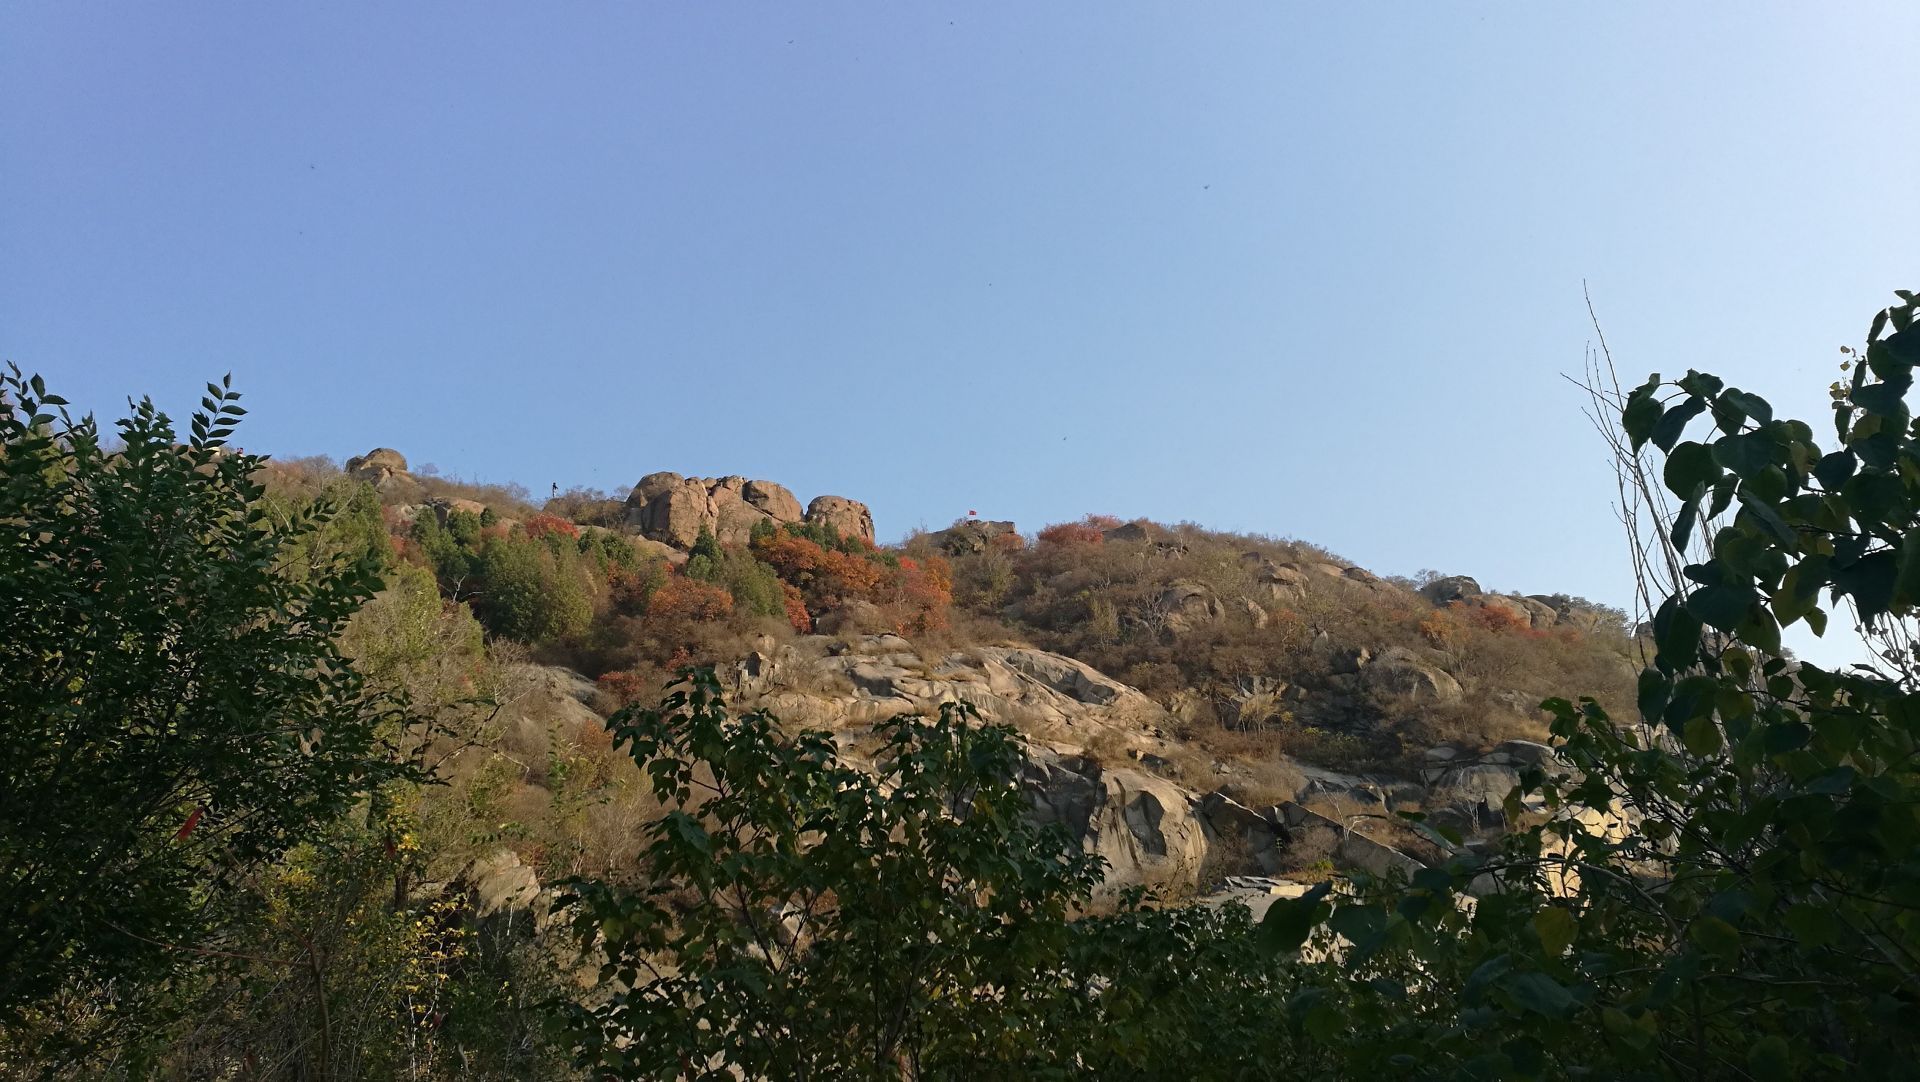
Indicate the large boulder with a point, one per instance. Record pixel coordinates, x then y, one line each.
1144 827
1581 615
848 680
379 467
1279 582
1450 588
1243 840
1140 530
672 509
1184 606
446 508
1540 616
1400 672
969 536
500 883
849 518
777 502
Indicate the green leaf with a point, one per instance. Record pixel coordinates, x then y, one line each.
1745 454
1750 404
1701 736
1364 926
1770 519
1786 736
1537 992
1676 636
1690 467
1790 602
1683 523
1768 1059
1904 347
1885 399
1673 424
1654 689
1869 581
1721 607
1289 921
1705 384
1759 631
1723 491
1556 928
1834 782
1811 924
1906 583
1642 412
1716 937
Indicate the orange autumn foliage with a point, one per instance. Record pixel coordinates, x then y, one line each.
542 525
685 599
824 577
796 606
625 687
925 593
1071 533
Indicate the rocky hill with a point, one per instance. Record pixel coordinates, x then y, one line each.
1199 705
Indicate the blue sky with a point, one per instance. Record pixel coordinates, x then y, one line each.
1308 270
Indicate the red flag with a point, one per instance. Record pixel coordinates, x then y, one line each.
972 513
186 828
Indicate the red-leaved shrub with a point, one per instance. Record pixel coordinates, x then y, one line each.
542 525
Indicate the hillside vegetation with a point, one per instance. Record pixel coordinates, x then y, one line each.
335 772
1258 646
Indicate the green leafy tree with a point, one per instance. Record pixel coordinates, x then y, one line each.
454 565
531 591
755 586
175 711
1731 888
804 916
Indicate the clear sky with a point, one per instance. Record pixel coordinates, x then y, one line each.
1307 270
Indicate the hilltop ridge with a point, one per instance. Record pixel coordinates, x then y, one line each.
1254 646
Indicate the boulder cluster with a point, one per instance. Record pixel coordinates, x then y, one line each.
672 509
665 507
382 467
1538 611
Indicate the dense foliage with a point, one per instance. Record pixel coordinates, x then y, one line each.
220 860
1732 888
178 712
803 915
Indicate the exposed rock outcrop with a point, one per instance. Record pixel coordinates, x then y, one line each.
1451 588
672 509
1279 582
1183 606
1141 530
855 683
968 536
849 518
381 467
1143 826
444 508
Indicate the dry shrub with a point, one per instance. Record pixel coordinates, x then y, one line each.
298 480
1307 855
588 507
508 500
1071 534
1229 854
684 600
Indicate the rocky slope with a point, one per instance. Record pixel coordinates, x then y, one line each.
1255 646
1104 765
